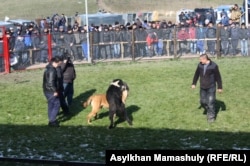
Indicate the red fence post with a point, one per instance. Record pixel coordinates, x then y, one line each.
6 53
49 47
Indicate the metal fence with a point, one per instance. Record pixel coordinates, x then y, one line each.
119 42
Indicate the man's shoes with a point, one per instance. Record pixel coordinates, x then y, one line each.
54 124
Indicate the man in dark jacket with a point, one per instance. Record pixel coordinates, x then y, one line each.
105 40
235 36
209 74
51 89
63 103
70 42
140 38
69 76
95 34
224 36
117 34
211 34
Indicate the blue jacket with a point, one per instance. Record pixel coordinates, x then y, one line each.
201 33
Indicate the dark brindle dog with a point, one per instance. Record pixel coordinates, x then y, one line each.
114 97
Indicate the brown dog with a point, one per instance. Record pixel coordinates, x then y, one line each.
98 101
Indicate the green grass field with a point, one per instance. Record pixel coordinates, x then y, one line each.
161 103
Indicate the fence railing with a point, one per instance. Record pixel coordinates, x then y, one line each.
174 42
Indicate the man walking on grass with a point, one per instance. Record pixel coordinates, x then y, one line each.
209 74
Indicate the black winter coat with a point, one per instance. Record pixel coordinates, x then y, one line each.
210 78
69 74
50 79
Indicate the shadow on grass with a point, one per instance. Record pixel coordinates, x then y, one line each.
219 106
130 110
76 106
88 143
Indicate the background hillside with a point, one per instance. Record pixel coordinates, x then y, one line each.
32 9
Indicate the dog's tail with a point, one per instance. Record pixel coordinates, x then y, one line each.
88 102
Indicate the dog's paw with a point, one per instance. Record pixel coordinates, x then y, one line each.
130 123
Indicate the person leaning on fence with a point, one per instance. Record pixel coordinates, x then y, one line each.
84 42
208 73
59 38
156 39
95 36
36 40
27 37
224 37
235 36
54 34
70 42
112 44
192 39
127 38
105 41
118 38
11 39
200 35
171 32
182 36
211 36
243 40
44 46
165 36
159 47
19 47
150 40
140 37
51 89
76 33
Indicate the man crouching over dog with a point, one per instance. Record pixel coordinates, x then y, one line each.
114 97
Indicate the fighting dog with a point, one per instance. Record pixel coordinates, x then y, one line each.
114 95
99 101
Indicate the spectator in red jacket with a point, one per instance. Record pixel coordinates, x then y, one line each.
192 37
151 39
182 37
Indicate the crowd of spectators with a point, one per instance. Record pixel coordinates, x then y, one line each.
195 34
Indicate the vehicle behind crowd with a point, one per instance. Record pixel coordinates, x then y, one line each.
6 25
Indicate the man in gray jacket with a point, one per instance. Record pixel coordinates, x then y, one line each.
211 36
224 36
235 36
